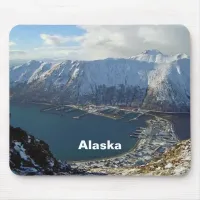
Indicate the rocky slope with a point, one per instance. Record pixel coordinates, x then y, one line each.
149 80
30 156
174 162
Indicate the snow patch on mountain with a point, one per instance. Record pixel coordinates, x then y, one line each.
22 73
39 71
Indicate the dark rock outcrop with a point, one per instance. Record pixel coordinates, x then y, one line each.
30 156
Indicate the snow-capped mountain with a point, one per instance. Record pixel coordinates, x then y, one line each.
150 80
156 56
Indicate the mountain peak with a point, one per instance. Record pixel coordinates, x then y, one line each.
33 62
151 52
150 55
181 55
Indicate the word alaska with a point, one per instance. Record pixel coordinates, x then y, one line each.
101 146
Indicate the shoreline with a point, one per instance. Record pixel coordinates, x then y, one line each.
141 110
142 152
137 144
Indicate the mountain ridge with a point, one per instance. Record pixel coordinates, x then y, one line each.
149 80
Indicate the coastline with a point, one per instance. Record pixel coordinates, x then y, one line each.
136 149
143 151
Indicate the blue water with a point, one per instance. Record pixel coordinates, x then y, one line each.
63 133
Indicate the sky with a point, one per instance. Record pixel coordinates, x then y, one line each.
63 42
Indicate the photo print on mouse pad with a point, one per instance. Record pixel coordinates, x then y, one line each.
100 100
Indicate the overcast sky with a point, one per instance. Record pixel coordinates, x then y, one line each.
95 42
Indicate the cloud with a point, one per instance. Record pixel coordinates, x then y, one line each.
46 52
125 41
17 52
153 35
55 39
56 52
12 43
99 42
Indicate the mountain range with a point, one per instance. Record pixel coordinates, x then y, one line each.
150 80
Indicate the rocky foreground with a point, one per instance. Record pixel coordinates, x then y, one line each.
30 156
174 162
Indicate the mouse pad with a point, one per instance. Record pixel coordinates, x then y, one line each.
100 100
